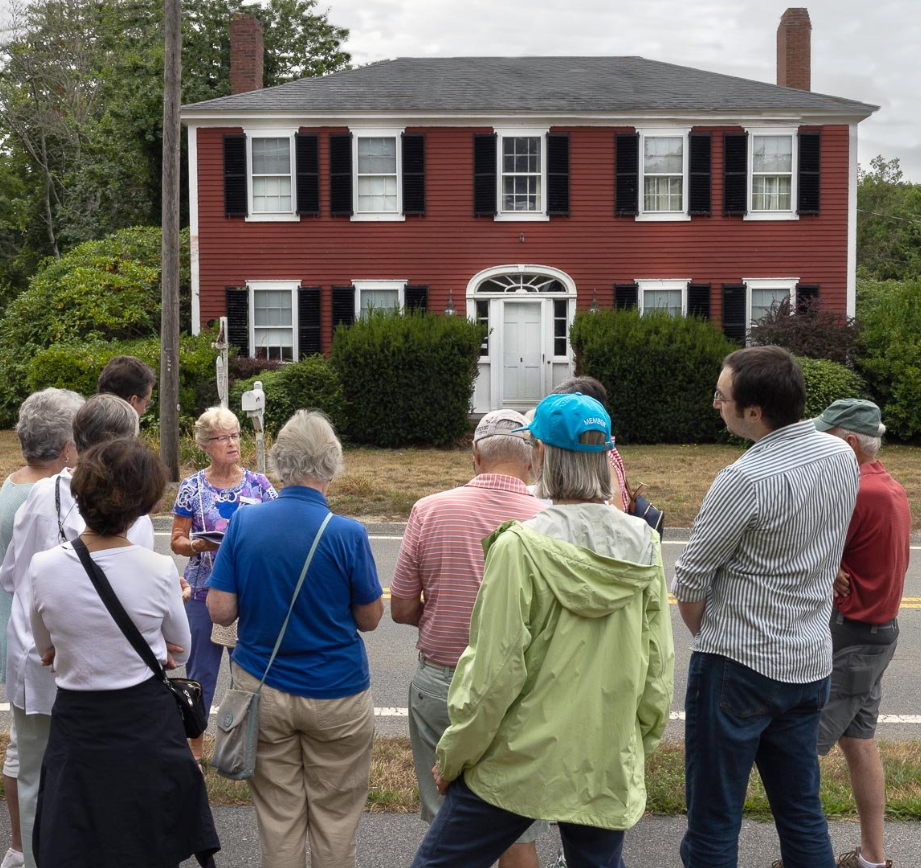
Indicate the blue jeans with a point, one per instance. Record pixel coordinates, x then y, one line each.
205 656
470 832
737 717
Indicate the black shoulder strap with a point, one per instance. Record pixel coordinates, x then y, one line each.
116 610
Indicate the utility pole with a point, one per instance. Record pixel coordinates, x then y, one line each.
169 275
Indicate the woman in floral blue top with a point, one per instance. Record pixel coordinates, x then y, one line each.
205 502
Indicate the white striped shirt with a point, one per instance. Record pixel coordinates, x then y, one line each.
765 550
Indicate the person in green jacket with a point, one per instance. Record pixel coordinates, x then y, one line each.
566 685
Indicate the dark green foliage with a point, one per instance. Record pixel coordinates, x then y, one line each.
826 382
105 290
890 351
407 378
77 366
660 372
310 384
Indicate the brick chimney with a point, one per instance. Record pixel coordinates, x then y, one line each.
794 50
247 48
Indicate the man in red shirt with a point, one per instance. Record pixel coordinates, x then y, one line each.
435 583
864 626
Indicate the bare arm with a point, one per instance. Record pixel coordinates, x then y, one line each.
692 614
367 617
223 608
404 610
180 542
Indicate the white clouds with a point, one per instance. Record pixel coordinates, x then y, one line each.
860 50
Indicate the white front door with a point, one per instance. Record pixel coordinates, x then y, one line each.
522 340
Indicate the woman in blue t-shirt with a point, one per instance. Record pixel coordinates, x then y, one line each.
205 502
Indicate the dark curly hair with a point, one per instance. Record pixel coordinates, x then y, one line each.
117 482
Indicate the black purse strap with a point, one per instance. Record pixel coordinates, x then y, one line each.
116 610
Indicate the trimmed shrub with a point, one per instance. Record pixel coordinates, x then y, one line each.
408 378
77 367
826 382
106 290
890 351
660 372
310 384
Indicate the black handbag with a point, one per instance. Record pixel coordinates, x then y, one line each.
186 692
642 508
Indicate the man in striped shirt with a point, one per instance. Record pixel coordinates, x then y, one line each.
435 584
754 587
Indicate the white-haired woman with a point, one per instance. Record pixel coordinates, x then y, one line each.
205 502
46 438
316 720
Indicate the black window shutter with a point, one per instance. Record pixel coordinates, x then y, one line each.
237 303
307 159
308 321
343 306
235 204
735 173
699 300
340 174
734 306
484 175
699 168
414 174
558 174
626 295
416 297
807 295
627 171
810 163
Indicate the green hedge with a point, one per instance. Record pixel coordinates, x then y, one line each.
408 378
308 384
890 351
827 382
660 372
77 367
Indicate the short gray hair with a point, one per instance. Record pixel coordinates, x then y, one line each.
503 449
46 423
211 420
103 418
307 448
868 445
570 475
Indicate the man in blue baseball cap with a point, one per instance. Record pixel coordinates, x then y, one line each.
543 726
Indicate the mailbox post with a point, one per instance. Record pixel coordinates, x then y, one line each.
253 404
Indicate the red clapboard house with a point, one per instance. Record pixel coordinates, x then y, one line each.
517 190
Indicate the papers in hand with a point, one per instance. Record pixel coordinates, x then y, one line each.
211 536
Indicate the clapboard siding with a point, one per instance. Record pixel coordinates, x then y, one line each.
447 246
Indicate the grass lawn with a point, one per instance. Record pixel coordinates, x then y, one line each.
383 484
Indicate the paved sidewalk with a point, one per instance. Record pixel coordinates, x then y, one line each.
390 841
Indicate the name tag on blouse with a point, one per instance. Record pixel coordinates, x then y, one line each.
246 501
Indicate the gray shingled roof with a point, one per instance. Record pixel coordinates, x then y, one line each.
535 84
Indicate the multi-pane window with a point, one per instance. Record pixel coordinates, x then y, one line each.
669 300
377 175
772 173
271 175
560 326
378 299
764 299
521 173
273 324
482 317
663 173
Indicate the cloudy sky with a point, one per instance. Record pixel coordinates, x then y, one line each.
868 50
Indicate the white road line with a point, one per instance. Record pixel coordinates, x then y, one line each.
379 536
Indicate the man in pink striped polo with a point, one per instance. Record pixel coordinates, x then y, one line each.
434 587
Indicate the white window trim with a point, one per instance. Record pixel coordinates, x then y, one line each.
663 216
522 216
269 216
377 133
767 283
399 285
794 170
254 286
667 284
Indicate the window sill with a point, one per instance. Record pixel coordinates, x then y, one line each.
771 215
663 217
273 218
378 218
522 217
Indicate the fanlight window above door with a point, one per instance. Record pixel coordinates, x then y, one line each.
505 283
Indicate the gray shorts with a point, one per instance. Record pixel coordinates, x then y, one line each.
853 704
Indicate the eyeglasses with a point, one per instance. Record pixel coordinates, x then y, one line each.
719 397
225 438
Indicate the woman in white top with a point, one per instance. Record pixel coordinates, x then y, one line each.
119 786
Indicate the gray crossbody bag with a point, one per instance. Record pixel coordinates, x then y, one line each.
237 732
